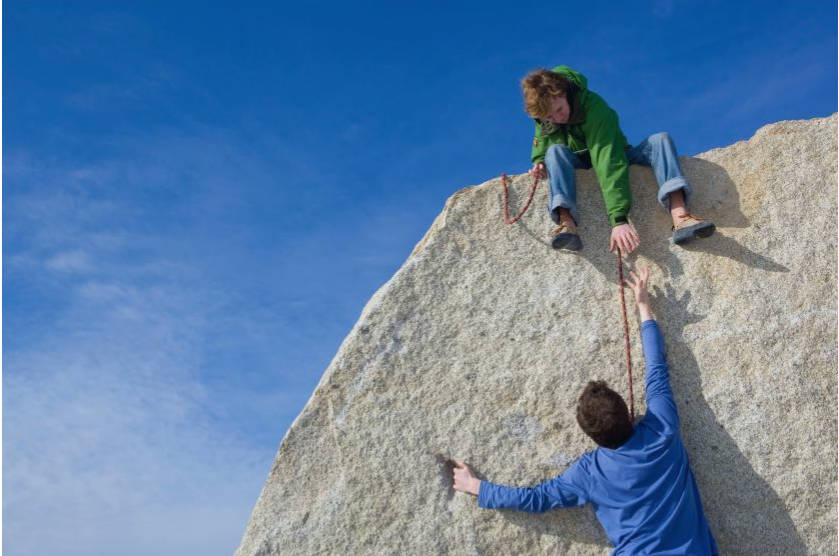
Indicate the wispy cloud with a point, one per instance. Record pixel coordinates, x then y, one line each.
110 433
69 261
163 326
115 433
106 432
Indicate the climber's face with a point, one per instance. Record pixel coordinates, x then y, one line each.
559 111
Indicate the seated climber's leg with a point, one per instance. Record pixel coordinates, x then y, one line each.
561 162
674 191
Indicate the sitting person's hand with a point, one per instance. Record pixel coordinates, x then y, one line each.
538 171
625 237
464 478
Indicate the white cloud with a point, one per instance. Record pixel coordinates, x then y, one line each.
121 437
108 428
113 441
70 261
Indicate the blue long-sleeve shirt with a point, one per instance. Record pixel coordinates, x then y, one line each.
643 492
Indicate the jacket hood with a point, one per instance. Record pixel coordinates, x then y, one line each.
578 78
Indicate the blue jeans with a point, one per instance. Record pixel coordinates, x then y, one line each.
657 151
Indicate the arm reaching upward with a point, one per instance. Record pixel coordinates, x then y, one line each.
659 394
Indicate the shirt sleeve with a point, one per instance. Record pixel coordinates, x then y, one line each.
540 146
659 394
567 489
608 157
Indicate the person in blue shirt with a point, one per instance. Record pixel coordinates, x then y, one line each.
639 479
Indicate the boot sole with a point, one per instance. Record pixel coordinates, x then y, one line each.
703 229
569 242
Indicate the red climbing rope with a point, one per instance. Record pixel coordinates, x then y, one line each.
508 220
626 336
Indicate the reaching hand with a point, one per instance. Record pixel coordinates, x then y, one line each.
464 478
538 171
625 237
638 284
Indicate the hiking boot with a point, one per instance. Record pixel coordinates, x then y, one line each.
565 237
689 226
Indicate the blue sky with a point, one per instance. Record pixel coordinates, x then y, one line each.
198 201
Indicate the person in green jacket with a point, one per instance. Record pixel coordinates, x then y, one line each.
576 129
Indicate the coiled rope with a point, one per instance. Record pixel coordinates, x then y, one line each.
507 219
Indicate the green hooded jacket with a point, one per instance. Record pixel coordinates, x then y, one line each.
592 130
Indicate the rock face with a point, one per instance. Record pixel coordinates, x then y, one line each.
481 343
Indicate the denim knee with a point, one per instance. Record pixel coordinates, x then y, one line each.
660 137
560 152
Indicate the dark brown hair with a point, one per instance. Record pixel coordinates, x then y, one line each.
603 415
540 86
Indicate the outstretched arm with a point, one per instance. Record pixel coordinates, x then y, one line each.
659 394
606 146
568 489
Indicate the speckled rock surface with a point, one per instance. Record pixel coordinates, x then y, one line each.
479 346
